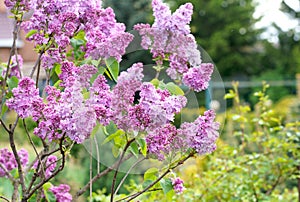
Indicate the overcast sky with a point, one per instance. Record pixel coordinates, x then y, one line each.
269 9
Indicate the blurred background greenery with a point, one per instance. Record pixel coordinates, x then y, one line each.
228 32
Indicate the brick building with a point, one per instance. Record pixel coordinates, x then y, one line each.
25 48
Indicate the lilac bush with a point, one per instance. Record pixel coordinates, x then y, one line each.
80 45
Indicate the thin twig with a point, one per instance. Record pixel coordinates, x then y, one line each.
91 171
10 177
5 199
41 183
127 173
97 154
133 196
98 176
33 146
117 169
38 74
16 155
4 126
36 64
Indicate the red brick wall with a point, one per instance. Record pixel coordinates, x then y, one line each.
26 50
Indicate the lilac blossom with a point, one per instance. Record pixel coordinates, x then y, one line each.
56 22
169 38
178 185
68 112
123 93
49 166
26 100
197 78
8 161
163 141
20 5
201 134
61 193
105 37
160 105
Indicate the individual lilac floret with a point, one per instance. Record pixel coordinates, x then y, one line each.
178 185
8 161
61 193
26 100
201 134
197 78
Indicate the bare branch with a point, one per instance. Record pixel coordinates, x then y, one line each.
43 181
127 173
98 176
5 199
16 155
133 196
4 126
117 169
10 177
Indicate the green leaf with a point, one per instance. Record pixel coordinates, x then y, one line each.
113 136
31 32
174 89
146 183
229 95
116 151
143 146
101 70
113 67
47 186
57 68
110 129
134 149
151 174
76 43
95 130
12 82
50 197
155 82
166 185
4 109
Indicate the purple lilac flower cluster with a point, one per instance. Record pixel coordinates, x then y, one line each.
163 141
200 135
61 193
26 101
169 39
20 5
8 161
154 109
68 112
57 21
178 185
